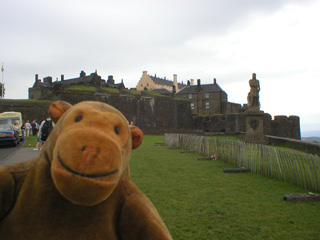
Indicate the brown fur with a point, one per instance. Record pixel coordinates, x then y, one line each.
79 187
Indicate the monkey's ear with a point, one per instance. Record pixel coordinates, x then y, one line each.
57 109
137 136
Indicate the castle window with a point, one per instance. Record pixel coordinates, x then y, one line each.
207 105
190 96
192 105
206 95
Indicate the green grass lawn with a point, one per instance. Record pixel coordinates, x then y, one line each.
198 201
31 141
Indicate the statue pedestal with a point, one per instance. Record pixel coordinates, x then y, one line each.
254 127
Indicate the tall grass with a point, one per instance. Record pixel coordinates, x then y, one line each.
290 166
197 201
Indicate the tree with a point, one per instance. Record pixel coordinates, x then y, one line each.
4 90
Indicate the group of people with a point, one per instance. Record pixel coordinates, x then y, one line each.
41 130
27 128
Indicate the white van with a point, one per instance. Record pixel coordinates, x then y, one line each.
9 118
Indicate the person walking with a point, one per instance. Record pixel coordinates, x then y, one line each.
34 127
28 127
45 129
39 141
23 131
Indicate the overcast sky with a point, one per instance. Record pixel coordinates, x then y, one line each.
195 39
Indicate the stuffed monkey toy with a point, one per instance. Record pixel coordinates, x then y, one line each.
79 186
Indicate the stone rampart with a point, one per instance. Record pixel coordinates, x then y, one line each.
287 127
30 109
157 114
281 126
221 123
313 148
154 115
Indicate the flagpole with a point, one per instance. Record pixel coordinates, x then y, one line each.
2 89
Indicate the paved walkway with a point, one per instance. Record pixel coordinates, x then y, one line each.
21 155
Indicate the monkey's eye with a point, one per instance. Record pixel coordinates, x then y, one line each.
78 118
116 130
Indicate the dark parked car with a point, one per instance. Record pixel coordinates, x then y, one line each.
8 135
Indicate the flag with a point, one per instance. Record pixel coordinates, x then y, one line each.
2 69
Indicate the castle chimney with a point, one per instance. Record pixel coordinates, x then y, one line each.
175 81
188 83
174 89
82 74
36 78
198 82
62 77
145 73
110 80
214 81
192 82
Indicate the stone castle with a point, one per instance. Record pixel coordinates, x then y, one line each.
159 105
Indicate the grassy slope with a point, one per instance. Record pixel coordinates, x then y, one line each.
198 201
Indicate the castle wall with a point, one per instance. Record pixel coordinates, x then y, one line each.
281 126
232 107
157 115
154 115
38 93
267 128
221 123
313 148
30 109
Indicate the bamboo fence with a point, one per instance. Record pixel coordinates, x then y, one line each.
301 169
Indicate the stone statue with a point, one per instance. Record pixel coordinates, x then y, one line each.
253 95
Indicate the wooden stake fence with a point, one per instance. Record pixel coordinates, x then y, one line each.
293 167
